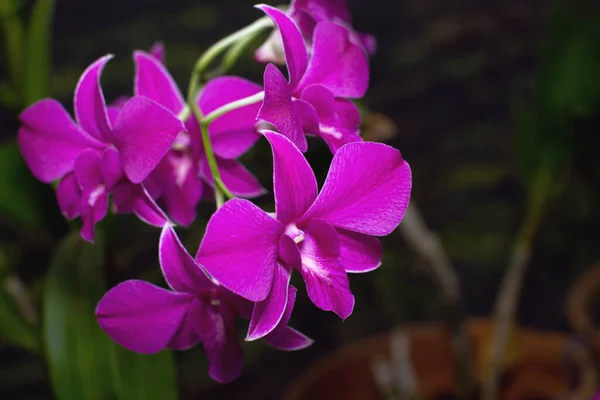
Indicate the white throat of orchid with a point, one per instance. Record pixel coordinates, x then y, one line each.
95 194
331 131
296 234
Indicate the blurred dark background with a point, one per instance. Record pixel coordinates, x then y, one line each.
448 74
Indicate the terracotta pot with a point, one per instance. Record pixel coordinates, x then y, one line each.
534 372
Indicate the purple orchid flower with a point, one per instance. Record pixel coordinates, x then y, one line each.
184 174
322 235
146 319
314 101
307 14
108 151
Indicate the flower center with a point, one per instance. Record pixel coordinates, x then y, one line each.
331 131
296 234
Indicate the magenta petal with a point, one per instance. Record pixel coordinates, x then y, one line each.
154 81
326 281
90 106
238 180
225 356
232 134
88 170
143 134
188 335
142 317
129 198
112 172
179 268
283 337
306 116
359 252
288 252
239 248
337 63
68 195
267 313
294 182
50 141
296 56
158 51
92 212
324 10
366 190
277 108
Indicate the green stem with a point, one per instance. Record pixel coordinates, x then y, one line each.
234 105
210 156
194 88
508 297
219 47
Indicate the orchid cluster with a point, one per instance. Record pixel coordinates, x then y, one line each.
158 154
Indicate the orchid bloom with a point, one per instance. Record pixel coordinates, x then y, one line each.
307 14
145 318
314 100
322 235
108 151
184 174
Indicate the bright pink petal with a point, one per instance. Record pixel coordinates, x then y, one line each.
93 210
238 180
143 134
154 81
239 249
268 313
187 335
90 106
179 268
68 195
288 252
336 63
112 171
130 198
366 190
277 108
324 10
296 56
88 170
158 51
306 115
283 337
50 141
339 118
94 196
232 134
142 317
294 182
225 356
326 281
359 252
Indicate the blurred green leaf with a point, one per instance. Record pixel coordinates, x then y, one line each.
21 195
37 61
570 60
78 352
13 326
13 32
144 377
84 362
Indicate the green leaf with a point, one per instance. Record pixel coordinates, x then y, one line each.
21 195
13 31
36 83
77 351
13 326
144 377
84 362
